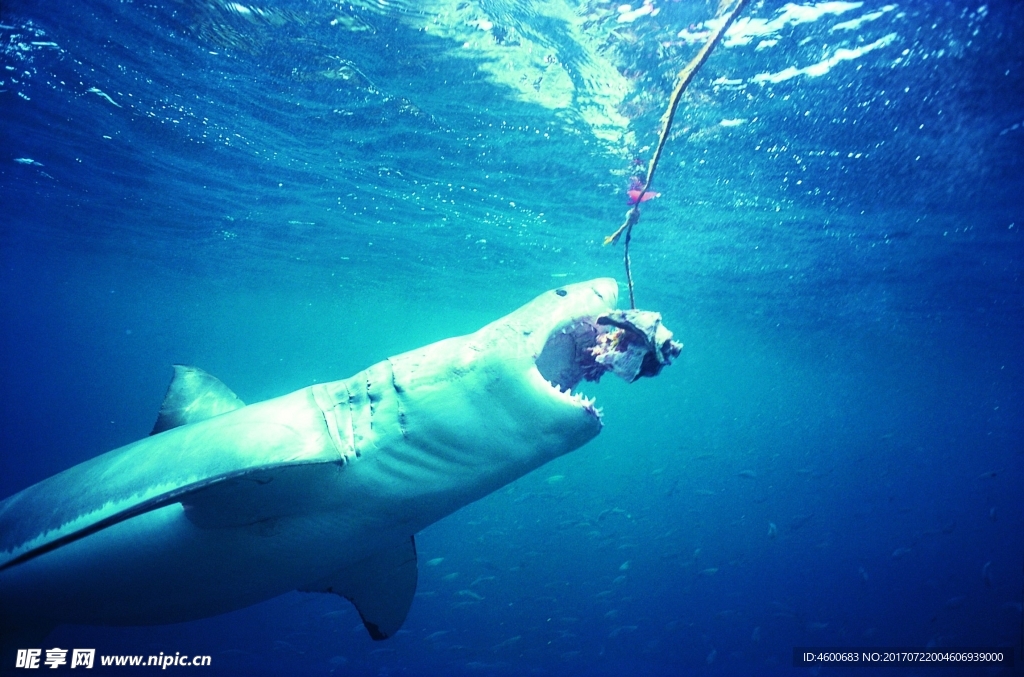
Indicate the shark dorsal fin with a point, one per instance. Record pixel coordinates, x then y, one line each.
381 587
194 396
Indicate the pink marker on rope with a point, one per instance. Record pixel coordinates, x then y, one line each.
635 186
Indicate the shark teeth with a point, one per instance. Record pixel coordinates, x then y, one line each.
564 361
579 399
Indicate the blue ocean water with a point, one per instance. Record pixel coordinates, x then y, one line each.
286 192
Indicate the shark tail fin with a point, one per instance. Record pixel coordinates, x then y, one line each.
193 396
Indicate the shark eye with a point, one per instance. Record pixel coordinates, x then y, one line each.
561 292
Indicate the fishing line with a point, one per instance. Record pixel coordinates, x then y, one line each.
682 81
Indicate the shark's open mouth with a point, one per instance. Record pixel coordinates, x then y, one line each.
629 343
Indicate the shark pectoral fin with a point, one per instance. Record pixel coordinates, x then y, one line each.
381 587
261 496
193 396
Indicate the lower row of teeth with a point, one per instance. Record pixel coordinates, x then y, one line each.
578 397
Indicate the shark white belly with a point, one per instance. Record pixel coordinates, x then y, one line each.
319 490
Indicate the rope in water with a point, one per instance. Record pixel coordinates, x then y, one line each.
682 81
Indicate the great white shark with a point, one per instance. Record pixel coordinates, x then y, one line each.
322 490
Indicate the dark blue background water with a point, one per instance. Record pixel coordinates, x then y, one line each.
286 193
